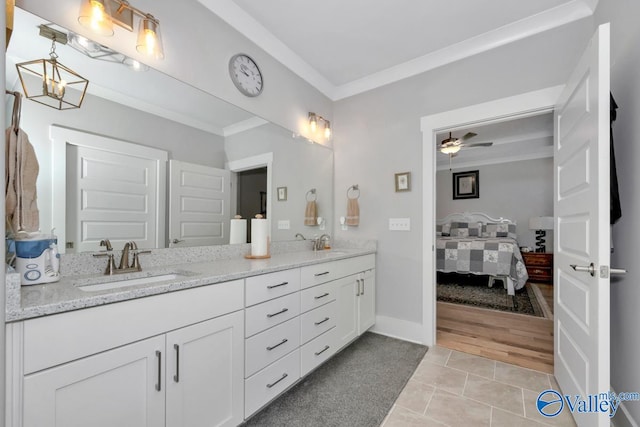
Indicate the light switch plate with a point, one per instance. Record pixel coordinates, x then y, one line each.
400 224
284 224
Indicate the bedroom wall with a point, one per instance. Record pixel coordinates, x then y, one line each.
377 134
514 190
625 292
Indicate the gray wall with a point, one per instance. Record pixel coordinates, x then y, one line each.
378 134
515 190
625 292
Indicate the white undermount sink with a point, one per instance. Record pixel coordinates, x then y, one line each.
115 284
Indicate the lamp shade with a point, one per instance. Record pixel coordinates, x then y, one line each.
541 223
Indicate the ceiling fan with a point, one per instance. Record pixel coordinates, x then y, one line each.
451 145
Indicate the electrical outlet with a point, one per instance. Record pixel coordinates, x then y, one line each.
284 224
400 224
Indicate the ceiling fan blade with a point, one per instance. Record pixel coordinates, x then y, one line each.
479 144
468 135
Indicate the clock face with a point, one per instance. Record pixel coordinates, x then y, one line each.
245 74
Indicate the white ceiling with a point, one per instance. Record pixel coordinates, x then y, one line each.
347 47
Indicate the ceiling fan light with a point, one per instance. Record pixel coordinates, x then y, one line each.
449 149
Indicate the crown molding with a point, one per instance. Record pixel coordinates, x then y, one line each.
231 13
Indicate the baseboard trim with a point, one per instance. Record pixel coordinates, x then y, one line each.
398 328
623 417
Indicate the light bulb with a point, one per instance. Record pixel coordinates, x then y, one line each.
327 130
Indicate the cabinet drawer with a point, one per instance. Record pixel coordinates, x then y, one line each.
317 351
538 259
270 345
319 273
271 313
273 285
538 273
317 321
316 296
265 385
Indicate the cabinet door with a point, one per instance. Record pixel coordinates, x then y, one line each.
121 387
367 301
347 326
205 373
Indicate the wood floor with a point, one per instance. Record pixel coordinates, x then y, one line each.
519 339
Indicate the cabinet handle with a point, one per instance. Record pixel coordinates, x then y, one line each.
281 378
326 294
277 345
321 274
318 353
322 321
358 287
277 286
284 310
176 377
159 384
362 282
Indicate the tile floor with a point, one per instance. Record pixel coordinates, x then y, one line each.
450 388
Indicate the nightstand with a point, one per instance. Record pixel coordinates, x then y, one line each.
539 266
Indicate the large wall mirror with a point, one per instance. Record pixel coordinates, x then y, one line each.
128 114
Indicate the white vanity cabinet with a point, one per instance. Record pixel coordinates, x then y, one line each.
356 298
172 360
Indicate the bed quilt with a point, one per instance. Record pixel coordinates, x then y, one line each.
491 256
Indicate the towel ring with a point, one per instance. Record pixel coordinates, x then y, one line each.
311 193
353 188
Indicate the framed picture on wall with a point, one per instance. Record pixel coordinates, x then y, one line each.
282 194
466 185
403 181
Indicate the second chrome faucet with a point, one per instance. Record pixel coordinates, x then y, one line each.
124 267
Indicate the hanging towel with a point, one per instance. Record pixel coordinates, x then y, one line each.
353 211
21 174
615 207
311 213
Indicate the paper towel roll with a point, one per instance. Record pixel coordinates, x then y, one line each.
238 231
259 237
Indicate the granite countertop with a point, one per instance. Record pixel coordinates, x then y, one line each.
26 302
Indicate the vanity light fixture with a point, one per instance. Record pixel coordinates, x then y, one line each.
50 83
313 124
100 15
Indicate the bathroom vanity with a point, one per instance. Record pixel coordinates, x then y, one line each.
215 341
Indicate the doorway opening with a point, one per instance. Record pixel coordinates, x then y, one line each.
251 195
499 111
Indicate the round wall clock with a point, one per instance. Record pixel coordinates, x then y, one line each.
245 74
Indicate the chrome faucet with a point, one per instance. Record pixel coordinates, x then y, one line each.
320 242
300 235
125 266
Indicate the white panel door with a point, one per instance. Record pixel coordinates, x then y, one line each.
111 196
205 373
581 203
199 198
123 387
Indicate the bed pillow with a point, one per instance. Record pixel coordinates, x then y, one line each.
443 229
499 230
466 229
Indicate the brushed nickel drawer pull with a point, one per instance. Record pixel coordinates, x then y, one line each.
277 286
326 294
322 321
277 345
321 274
176 377
283 377
284 310
159 384
318 353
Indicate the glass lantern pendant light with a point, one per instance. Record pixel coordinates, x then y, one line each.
50 83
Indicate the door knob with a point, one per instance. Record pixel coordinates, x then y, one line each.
174 241
617 271
591 269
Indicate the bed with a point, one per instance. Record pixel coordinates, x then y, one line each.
479 244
